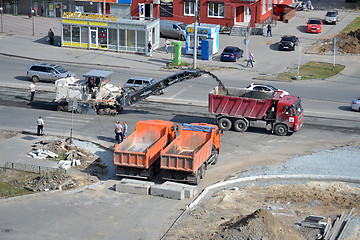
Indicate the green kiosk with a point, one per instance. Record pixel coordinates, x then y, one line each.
177 52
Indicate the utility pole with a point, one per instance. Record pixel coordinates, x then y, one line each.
33 24
1 9
195 35
104 6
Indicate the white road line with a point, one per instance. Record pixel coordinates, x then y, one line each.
52 122
180 92
49 118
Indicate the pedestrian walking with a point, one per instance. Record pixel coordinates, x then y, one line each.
40 126
309 5
251 60
125 130
150 48
118 132
51 36
167 45
32 91
268 32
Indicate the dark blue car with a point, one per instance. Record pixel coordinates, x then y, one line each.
231 54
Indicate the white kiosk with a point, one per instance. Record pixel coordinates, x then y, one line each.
204 31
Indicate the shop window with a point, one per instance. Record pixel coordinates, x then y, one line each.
122 40
66 33
102 37
84 34
189 8
131 40
141 41
75 31
215 9
112 39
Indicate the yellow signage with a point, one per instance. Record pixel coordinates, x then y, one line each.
199 30
89 16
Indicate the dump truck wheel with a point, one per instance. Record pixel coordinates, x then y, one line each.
202 170
216 155
197 177
240 125
281 129
224 124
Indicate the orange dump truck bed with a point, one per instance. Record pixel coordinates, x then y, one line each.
138 152
187 157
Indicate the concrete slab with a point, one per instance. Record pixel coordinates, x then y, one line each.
167 191
189 190
132 188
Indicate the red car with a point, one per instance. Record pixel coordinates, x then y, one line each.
314 25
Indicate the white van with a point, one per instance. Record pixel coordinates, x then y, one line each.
172 29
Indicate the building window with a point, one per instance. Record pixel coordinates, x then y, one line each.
189 8
215 9
269 4
275 1
263 6
66 33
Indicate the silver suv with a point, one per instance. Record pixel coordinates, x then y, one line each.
134 84
47 72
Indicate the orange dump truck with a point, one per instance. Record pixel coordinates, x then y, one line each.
187 157
138 154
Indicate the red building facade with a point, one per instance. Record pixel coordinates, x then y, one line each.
221 12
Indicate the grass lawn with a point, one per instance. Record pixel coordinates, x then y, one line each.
313 70
12 182
354 25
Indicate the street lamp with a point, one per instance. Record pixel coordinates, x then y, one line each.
33 24
195 35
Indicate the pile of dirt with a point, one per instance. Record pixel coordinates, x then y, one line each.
51 181
346 43
90 170
260 225
233 213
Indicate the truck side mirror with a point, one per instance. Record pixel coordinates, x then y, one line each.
177 128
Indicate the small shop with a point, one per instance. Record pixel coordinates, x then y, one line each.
207 32
108 32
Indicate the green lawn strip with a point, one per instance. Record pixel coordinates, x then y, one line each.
12 182
312 70
354 25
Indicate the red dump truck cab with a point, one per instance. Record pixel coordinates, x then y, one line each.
290 113
138 155
239 108
188 156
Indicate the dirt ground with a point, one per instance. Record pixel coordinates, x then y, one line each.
273 212
347 43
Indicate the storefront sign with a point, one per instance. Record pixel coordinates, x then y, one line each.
199 30
89 16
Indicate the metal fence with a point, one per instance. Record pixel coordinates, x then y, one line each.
28 167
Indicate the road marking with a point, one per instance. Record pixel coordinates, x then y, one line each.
180 92
49 118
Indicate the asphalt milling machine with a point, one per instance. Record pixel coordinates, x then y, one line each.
96 95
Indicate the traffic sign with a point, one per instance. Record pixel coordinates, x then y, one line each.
336 49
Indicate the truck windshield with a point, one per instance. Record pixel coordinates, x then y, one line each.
298 109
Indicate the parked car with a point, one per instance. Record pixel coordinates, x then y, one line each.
265 88
231 54
314 25
47 72
134 84
355 104
331 17
288 42
172 29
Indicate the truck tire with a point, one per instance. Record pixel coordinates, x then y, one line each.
240 125
215 152
281 129
202 170
225 124
197 177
